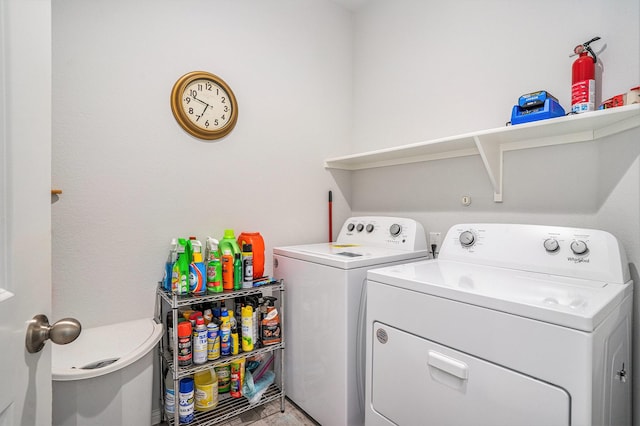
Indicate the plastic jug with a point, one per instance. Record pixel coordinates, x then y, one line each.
257 245
206 390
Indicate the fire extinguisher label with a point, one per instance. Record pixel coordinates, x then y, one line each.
583 94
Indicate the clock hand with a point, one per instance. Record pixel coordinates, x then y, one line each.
202 102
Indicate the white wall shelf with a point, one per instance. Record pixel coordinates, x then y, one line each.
491 144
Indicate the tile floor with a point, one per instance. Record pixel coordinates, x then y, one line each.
270 415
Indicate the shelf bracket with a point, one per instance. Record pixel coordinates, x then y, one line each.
491 154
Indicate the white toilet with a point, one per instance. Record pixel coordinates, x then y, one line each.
105 377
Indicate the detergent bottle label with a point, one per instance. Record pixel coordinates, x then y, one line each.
197 283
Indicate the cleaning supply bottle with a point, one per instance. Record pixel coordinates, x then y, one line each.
247 328
225 333
223 371
257 245
180 272
169 395
235 341
247 266
197 272
271 333
236 379
213 341
228 248
185 356
200 342
186 400
214 267
168 266
206 383
237 271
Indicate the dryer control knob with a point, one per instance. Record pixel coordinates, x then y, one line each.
369 228
467 239
395 230
360 227
579 247
350 227
551 245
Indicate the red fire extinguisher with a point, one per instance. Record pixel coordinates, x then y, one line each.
583 83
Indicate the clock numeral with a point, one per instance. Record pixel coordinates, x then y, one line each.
190 110
187 99
215 122
206 123
209 86
224 100
198 117
193 93
223 117
200 87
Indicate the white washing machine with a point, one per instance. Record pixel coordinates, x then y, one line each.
511 325
324 284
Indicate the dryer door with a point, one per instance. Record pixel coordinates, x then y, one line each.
416 381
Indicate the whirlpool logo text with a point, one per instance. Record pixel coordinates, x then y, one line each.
578 259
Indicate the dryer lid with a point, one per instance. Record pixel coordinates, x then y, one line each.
570 302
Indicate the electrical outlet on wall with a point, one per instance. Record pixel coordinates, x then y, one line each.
434 238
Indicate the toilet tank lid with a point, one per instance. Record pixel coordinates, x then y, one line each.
124 342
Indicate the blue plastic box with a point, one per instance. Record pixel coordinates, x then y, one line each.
550 109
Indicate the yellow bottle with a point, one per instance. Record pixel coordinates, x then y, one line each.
247 328
235 340
206 394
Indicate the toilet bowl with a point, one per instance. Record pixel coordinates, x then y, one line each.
105 377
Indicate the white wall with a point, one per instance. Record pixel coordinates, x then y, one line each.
430 69
132 179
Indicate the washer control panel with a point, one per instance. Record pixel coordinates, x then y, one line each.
383 231
575 252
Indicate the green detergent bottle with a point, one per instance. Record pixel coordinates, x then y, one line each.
228 247
180 271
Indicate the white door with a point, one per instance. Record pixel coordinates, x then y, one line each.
25 207
417 381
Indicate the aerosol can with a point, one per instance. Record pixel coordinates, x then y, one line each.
583 83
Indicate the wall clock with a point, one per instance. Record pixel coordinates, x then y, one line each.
204 105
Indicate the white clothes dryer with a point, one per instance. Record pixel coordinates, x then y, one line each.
511 325
324 282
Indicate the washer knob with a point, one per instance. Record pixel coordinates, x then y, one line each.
360 227
395 230
579 247
369 228
350 227
551 245
467 239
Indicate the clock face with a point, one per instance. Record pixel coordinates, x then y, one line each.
204 105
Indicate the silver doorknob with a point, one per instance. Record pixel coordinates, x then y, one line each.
62 332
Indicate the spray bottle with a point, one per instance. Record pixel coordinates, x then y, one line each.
197 273
168 266
271 333
214 267
228 248
237 271
180 271
583 83
225 333
247 327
